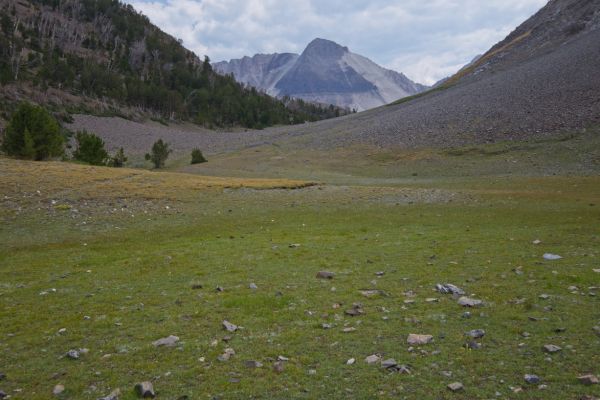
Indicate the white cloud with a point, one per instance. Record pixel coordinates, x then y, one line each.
427 40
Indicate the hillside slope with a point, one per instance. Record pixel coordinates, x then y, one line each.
102 55
326 73
544 78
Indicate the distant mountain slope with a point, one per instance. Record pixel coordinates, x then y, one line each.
325 73
102 56
543 79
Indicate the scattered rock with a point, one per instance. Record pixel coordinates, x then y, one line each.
282 358
114 395
279 366
456 386
469 302
2 394
473 345
58 389
416 340
145 390
532 379
325 275
380 273
169 341
351 361
73 354
372 359
551 257
294 245
226 355
253 286
326 326
229 327
588 380
390 363
476 333
371 293
219 289
537 241
551 348
544 296
448 288
253 364
355 311
349 329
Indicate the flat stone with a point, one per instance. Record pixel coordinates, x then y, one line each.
537 241
588 380
372 359
229 327
416 340
456 386
253 364
469 302
473 345
351 361
551 257
169 341
114 395
252 286
380 273
73 354
476 333
448 288
145 390
278 366
551 348
371 293
354 312
531 379
282 358
325 275
226 355
349 329
58 389
389 363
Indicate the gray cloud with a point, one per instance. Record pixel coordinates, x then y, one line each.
427 40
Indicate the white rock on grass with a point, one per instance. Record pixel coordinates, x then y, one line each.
372 359
169 341
469 302
229 327
58 389
145 390
552 257
417 340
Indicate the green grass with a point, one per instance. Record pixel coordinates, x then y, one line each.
133 276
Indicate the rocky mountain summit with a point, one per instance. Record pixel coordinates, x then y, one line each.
324 73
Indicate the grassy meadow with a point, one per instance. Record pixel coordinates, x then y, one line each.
112 260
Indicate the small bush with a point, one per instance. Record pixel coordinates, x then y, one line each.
118 160
159 154
198 157
90 149
33 134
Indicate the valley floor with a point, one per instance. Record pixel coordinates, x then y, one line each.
111 261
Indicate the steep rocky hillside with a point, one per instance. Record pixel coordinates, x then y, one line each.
101 56
325 73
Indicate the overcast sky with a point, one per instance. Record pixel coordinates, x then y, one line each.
425 39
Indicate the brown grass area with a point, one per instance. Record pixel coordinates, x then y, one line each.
88 182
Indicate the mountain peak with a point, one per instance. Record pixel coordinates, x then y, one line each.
324 47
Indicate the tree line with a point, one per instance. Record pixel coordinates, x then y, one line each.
114 52
34 134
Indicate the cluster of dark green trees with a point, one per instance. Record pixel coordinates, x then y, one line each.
34 134
133 62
